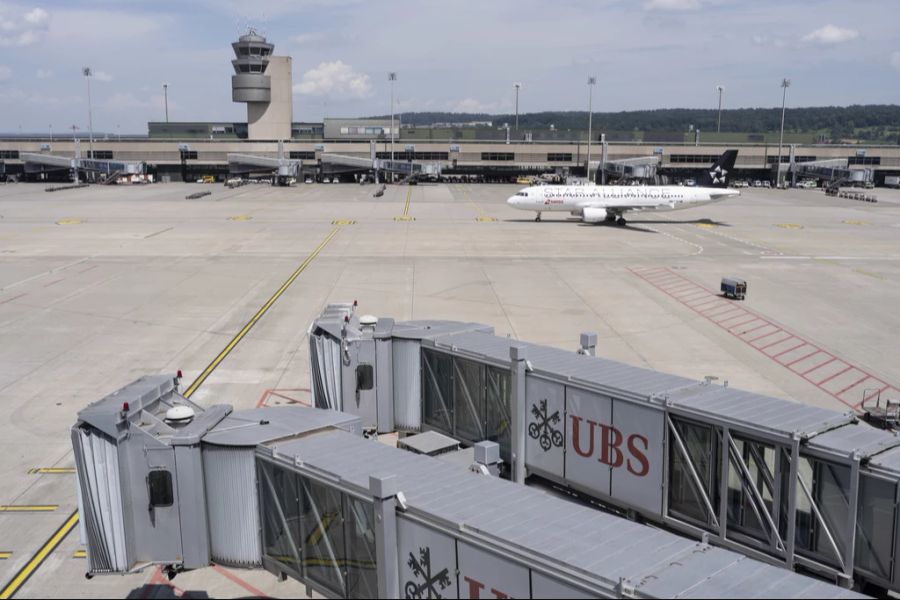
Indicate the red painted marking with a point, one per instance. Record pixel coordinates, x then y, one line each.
235 579
741 313
686 286
853 385
53 282
730 327
765 324
829 378
765 335
13 298
802 343
709 312
802 358
779 342
711 300
827 362
264 398
88 269
709 304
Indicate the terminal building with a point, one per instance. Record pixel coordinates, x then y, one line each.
339 147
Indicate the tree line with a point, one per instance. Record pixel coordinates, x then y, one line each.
871 121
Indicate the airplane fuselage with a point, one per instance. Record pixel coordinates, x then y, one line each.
615 198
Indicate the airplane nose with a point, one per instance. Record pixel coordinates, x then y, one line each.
511 200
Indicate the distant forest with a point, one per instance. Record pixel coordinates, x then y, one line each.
873 122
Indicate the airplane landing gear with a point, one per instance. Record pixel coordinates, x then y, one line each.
610 218
621 222
537 219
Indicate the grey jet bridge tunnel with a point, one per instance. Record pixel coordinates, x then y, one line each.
804 487
301 493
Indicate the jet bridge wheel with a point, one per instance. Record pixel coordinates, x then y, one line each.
621 222
537 219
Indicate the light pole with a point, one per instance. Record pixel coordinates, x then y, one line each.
51 133
719 122
517 86
166 96
785 84
87 75
392 77
591 82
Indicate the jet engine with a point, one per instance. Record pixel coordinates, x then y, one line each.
593 215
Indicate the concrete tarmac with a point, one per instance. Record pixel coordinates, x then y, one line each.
101 285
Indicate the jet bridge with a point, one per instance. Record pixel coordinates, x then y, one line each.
796 485
301 493
36 162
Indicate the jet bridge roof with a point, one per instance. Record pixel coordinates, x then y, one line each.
752 411
536 528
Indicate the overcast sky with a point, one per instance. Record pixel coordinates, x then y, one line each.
457 55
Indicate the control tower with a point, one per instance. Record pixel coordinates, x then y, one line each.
263 81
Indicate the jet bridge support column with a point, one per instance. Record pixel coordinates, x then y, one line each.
517 355
384 492
604 157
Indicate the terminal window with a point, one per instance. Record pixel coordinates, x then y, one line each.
498 156
559 157
786 158
693 158
100 154
864 160
9 154
302 154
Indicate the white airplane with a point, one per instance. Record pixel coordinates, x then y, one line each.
608 203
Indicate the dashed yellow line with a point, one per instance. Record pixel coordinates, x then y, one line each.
405 216
789 226
343 222
5 555
51 471
240 218
49 546
259 314
28 507
79 554
69 222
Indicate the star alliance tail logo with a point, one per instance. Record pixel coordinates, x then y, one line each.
718 174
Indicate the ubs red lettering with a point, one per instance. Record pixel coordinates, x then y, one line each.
611 441
475 588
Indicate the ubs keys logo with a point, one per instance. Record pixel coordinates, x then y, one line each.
543 428
611 441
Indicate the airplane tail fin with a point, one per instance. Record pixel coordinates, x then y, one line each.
719 174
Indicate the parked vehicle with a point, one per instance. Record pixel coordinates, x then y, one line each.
733 287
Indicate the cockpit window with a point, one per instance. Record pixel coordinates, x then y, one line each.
522 194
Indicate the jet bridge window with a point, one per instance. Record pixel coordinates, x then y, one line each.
365 377
875 520
466 399
693 472
160 485
822 507
317 533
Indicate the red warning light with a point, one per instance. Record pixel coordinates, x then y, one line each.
178 375
125 407
346 318
355 303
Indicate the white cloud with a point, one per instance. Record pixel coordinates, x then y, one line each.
44 74
5 73
102 76
25 32
672 5
334 78
831 34
895 60
37 16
